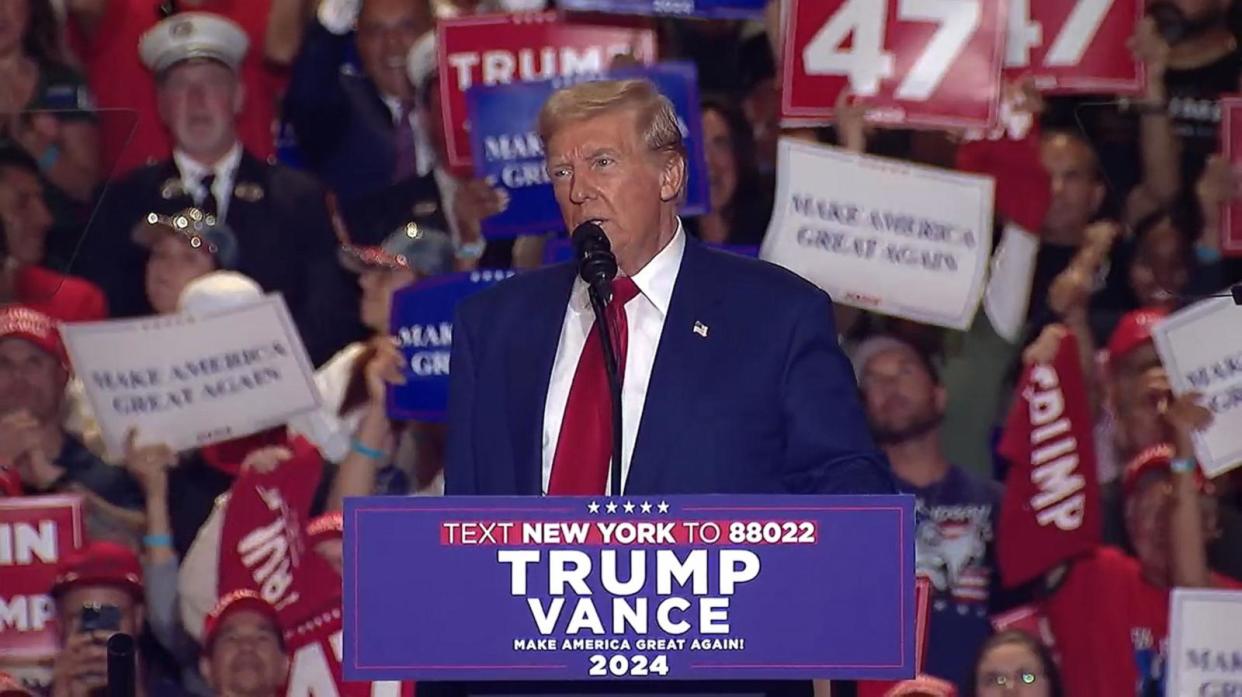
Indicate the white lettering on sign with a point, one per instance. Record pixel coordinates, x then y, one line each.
310 674
1054 455
22 544
866 63
267 549
501 67
569 571
1071 42
25 613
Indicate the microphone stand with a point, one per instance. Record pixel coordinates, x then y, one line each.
614 383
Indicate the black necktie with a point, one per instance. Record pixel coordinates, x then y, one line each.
209 205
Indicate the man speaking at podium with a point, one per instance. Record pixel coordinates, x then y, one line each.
733 381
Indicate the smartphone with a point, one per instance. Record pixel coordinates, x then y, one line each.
98 617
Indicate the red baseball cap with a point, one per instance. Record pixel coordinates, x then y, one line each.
100 563
236 601
21 322
1156 459
329 526
11 687
1133 331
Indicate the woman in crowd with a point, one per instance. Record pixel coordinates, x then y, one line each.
376 455
741 202
1013 662
46 111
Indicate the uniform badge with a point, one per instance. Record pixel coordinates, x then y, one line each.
172 188
249 192
425 208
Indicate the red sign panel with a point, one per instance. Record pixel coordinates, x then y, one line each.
929 63
500 49
1075 45
35 533
1231 148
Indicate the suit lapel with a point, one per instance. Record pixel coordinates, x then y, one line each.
530 370
680 367
247 198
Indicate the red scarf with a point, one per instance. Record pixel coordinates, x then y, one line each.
1050 512
228 456
264 547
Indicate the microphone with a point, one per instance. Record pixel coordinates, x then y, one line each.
122 680
596 263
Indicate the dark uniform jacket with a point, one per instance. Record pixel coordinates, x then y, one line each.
284 236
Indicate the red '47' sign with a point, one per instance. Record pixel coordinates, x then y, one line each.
1075 45
931 63
500 49
36 532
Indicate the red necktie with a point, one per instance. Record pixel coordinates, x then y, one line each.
584 449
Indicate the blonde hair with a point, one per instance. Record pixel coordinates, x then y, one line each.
657 120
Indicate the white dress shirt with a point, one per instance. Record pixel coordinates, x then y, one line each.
193 173
645 318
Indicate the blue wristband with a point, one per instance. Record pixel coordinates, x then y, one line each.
157 541
365 451
1207 255
1183 465
49 157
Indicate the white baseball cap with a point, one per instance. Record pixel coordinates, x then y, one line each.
188 35
217 292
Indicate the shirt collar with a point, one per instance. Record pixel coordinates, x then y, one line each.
655 281
194 170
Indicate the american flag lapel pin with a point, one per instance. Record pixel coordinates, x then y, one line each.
700 329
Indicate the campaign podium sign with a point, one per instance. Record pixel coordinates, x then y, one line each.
641 587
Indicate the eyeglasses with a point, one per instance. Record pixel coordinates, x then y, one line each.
1004 680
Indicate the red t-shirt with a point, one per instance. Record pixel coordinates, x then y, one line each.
61 297
1112 626
118 80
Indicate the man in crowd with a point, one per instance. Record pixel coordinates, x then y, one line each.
98 592
104 33
438 197
358 131
955 512
24 225
278 215
243 647
34 370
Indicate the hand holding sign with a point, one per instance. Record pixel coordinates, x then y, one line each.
384 369
883 51
1186 416
148 464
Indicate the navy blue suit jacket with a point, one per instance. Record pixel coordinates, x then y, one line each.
766 402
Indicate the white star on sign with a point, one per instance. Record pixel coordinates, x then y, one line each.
593 507
629 506
663 507
612 507
646 507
